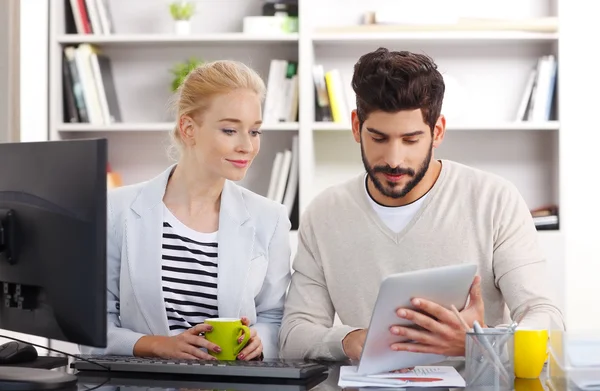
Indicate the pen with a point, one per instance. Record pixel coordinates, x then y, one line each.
488 351
492 354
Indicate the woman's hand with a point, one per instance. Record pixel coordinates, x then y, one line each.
254 348
186 345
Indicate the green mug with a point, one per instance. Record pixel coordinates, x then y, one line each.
225 334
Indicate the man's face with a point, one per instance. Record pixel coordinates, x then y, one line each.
396 150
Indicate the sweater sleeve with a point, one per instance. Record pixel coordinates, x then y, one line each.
520 268
307 330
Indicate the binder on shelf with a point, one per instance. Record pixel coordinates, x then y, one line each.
70 110
75 85
322 106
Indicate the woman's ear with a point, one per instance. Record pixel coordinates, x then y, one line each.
186 130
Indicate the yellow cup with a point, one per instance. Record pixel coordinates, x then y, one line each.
531 352
528 385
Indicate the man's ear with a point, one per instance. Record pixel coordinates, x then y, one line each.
355 126
439 131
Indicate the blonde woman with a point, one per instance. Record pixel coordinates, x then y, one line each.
190 244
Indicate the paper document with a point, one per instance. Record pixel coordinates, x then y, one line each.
584 353
421 376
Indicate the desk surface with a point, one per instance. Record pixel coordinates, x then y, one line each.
101 382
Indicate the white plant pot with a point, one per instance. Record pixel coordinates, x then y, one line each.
183 27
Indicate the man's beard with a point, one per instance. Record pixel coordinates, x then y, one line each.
391 191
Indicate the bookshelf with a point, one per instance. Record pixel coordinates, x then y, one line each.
456 37
488 68
141 49
171 39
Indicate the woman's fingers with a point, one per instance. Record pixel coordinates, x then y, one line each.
185 356
199 329
201 342
252 350
196 353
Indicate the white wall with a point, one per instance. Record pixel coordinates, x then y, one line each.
33 92
4 64
579 139
34 60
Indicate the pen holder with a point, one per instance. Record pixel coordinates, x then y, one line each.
490 359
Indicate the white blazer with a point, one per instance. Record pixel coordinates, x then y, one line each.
253 263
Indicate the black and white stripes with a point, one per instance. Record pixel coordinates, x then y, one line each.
189 274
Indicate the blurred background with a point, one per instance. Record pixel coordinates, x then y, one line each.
520 75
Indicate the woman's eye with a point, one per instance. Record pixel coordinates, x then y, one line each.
255 132
228 131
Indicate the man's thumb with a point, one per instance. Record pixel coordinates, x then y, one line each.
475 292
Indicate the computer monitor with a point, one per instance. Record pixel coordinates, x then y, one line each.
53 242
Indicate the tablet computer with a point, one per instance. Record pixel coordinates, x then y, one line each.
445 285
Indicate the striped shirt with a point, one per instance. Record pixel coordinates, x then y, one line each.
189 274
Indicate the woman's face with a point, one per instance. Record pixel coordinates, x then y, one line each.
226 137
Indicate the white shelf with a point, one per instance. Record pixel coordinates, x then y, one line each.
153 127
432 36
153 39
506 126
550 233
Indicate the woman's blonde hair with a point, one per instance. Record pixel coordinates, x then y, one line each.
207 80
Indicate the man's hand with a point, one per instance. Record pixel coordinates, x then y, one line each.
353 343
443 332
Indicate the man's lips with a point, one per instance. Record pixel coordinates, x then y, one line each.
394 177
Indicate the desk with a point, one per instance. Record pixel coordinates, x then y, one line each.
126 382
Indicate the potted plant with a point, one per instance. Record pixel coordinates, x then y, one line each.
181 70
182 11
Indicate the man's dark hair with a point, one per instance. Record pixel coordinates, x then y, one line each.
393 81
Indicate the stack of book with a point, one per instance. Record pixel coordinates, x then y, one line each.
330 96
546 217
538 102
283 185
88 17
281 102
89 94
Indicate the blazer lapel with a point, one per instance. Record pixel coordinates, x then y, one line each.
236 241
144 249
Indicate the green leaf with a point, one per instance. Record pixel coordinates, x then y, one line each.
181 70
182 10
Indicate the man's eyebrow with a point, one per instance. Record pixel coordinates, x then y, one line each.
410 134
377 132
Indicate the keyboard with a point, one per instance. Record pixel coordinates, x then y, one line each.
282 369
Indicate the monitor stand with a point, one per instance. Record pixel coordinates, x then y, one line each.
15 378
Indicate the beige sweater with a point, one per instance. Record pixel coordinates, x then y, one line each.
345 251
